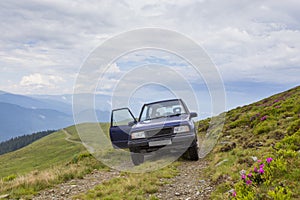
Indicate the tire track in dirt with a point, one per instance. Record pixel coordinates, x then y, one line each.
187 185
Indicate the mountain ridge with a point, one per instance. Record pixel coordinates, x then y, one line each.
22 114
17 120
30 102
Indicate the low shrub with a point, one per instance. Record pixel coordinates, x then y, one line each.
294 127
9 178
258 182
291 142
264 127
81 156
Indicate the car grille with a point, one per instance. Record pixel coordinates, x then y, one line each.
159 132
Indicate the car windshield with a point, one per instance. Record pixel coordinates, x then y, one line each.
162 109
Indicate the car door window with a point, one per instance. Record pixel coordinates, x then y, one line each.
122 117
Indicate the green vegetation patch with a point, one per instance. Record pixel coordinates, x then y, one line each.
42 154
267 129
50 160
25 186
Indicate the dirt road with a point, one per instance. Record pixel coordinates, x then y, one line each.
186 186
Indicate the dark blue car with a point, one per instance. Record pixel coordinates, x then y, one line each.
162 125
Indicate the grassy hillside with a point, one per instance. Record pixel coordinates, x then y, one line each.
258 154
53 159
57 148
44 153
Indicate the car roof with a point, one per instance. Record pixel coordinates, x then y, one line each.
163 101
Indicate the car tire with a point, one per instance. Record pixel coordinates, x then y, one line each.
137 158
193 153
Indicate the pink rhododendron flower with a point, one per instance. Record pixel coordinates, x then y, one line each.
248 182
250 175
269 160
262 166
255 169
259 161
243 176
261 170
234 193
263 118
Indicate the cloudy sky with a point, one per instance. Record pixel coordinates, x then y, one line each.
254 44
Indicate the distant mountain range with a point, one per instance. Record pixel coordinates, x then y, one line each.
20 114
35 103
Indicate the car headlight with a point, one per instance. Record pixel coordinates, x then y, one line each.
181 129
138 135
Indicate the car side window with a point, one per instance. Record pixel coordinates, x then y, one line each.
121 117
146 113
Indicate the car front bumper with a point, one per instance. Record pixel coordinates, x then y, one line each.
179 142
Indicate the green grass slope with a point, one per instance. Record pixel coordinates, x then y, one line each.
57 148
48 161
44 153
268 129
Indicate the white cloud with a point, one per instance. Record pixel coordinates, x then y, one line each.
246 39
113 69
39 81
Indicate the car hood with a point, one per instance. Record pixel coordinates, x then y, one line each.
161 122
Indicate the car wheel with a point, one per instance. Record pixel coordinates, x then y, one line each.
137 158
193 153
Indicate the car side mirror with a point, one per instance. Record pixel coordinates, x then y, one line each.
131 123
193 114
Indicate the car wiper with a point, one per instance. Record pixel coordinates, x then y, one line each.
156 117
163 116
175 115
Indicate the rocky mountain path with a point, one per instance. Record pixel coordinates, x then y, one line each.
188 184
66 191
